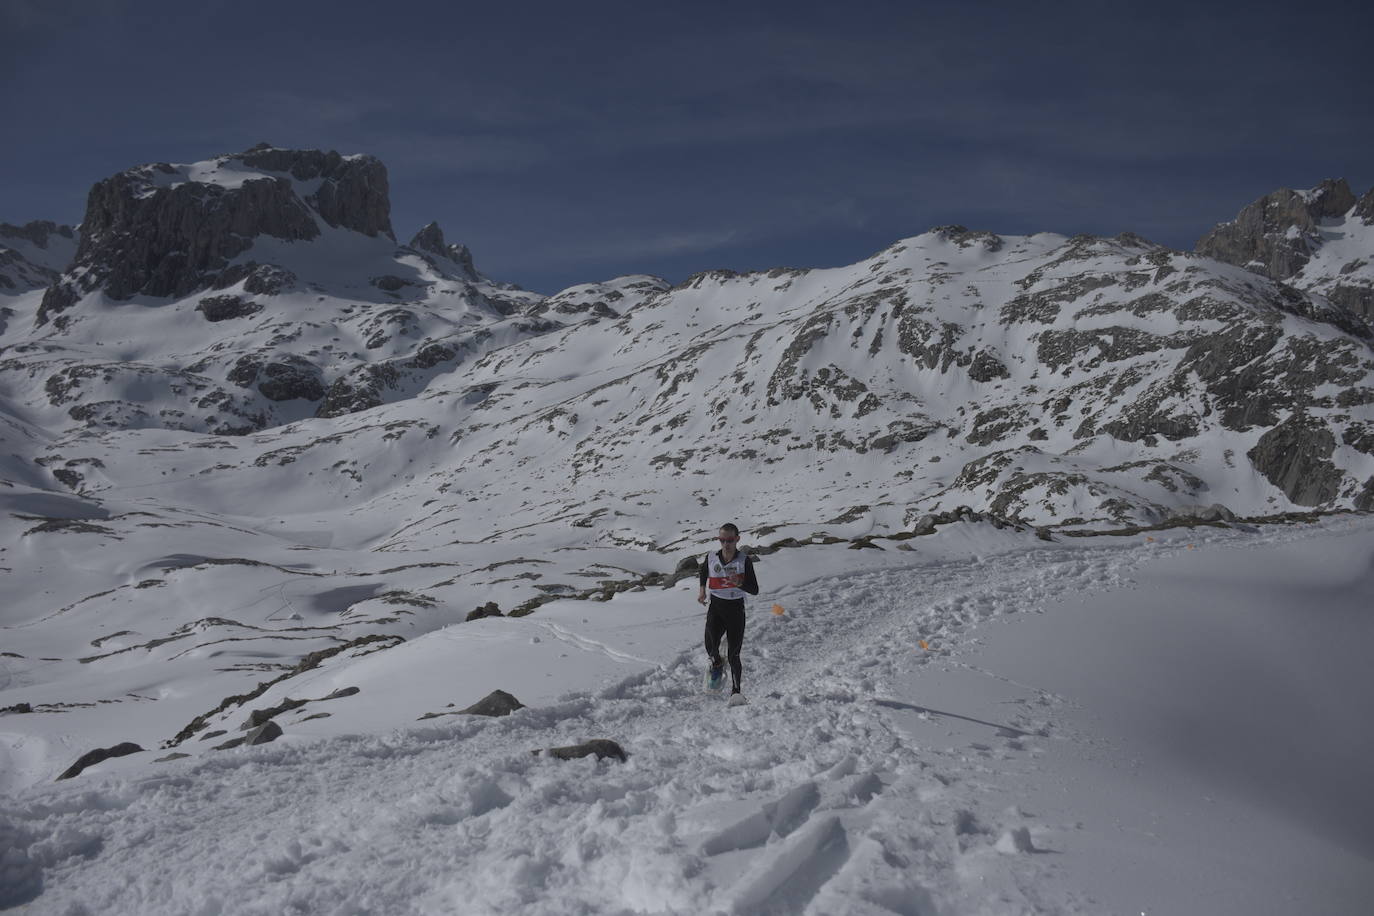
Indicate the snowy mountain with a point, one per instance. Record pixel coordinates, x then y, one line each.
245 292
256 452
32 256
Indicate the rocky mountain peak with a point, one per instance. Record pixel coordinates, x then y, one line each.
33 255
37 233
1331 199
1277 234
430 240
166 230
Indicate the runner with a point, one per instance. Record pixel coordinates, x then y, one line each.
727 576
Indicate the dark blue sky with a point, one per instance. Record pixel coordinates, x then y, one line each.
566 142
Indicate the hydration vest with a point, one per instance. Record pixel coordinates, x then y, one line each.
716 572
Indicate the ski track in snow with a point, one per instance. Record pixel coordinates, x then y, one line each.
806 800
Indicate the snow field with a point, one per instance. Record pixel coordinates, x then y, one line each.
842 787
806 795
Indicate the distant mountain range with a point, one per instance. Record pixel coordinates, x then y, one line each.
261 297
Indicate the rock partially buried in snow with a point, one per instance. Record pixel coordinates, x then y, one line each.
267 731
496 703
601 747
258 716
91 758
490 609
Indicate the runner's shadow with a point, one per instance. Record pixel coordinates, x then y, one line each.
1003 730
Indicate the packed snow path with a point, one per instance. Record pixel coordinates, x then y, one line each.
818 797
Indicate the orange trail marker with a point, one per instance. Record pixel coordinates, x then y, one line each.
777 609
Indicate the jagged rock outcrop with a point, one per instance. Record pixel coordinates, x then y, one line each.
353 192
1277 234
1295 456
490 609
430 241
1364 208
1316 241
162 230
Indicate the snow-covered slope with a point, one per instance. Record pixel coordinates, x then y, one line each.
914 744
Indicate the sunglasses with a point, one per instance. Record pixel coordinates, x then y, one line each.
727 540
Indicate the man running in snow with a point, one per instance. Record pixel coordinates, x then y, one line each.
728 576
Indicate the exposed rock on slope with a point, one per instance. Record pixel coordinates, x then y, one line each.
163 230
1317 240
1277 234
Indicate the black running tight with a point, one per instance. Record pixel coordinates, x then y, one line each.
725 617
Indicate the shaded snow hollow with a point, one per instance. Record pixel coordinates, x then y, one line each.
1115 725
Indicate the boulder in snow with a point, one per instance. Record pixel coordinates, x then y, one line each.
91 758
496 703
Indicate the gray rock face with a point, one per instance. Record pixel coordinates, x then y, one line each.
353 192
1364 500
430 240
1295 456
1356 299
267 731
154 231
1276 234
1364 207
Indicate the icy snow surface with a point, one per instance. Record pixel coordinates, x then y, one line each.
1175 724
